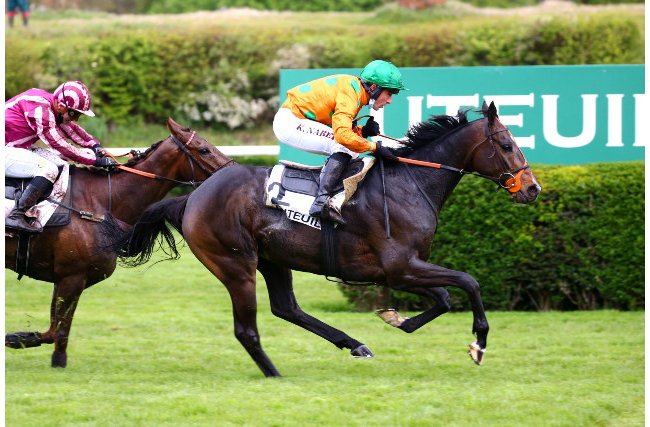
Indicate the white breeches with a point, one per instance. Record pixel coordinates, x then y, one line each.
27 163
306 135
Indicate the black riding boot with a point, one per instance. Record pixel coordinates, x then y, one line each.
329 176
37 190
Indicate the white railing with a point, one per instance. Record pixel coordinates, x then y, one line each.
228 150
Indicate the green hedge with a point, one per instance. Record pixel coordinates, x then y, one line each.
579 246
179 6
227 77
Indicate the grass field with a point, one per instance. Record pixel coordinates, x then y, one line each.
155 346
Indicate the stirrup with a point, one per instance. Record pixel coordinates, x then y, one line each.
23 224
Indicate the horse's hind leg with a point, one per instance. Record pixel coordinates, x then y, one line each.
284 305
244 302
443 305
237 273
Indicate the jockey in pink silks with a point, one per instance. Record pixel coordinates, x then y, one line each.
49 117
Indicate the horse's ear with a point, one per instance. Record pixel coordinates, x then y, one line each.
491 112
173 127
484 108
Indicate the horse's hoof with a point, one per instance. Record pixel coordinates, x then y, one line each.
391 316
362 352
476 353
59 359
23 340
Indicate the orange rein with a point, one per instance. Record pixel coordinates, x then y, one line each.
139 172
512 184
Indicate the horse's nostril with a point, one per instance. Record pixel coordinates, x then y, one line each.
534 190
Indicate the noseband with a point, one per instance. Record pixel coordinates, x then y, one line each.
510 181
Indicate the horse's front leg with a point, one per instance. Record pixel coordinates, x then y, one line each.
412 324
21 340
64 303
422 275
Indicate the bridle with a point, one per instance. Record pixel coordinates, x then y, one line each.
510 180
191 159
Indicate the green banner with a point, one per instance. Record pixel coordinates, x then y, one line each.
558 114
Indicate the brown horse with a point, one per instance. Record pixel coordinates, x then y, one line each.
230 230
75 256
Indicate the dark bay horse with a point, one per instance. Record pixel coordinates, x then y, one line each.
75 256
230 230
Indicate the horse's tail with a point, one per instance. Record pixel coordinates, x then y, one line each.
152 229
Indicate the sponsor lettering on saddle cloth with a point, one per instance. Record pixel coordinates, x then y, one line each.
43 211
293 187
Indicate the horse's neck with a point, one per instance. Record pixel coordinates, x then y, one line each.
438 184
132 193
451 151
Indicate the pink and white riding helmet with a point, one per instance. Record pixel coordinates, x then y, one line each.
74 95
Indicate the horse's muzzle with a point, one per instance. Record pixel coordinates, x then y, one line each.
527 194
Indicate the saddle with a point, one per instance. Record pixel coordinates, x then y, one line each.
293 187
48 213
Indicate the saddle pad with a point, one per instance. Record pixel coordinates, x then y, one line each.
294 190
45 209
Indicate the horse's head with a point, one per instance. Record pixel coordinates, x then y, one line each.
497 156
203 158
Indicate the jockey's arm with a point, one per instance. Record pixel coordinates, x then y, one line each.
43 122
347 107
78 135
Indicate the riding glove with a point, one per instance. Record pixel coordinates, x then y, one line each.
371 128
385 152
104 162
99 150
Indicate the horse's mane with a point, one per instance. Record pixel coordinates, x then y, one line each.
431 130
138 156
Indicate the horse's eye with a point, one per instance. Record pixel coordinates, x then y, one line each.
204 150
507 147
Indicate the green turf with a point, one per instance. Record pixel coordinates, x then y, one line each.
155 346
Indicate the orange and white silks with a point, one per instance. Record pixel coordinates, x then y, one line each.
334 101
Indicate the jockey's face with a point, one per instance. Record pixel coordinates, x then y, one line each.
63 114
384 98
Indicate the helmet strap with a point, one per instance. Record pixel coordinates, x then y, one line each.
372 93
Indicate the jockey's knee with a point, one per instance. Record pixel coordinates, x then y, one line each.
47 170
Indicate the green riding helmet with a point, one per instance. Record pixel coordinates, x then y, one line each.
384 74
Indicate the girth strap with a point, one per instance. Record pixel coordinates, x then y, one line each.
328 245
22 254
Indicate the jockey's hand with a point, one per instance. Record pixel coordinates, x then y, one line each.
99 150
385 153
105 162
371 128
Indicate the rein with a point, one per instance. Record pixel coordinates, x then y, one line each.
510 181
192 160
